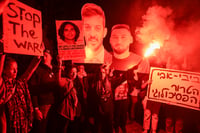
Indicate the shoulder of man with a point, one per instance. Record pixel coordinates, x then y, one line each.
143 63
107 56
135 56
144 66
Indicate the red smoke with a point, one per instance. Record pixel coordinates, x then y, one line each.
178 41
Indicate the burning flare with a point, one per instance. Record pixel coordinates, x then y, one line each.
154 45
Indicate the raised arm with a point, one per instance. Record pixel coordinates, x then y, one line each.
2 59
61 81
145 83
31 68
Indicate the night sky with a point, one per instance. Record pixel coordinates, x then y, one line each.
184 13
116 11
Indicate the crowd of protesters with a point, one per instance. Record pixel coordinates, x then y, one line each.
64 98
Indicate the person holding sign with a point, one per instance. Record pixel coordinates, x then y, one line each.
94 31
67 109
43 88
105 100
15 100
69 32
123 60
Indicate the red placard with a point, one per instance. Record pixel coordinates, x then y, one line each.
22 29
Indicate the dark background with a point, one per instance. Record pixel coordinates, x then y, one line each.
116 11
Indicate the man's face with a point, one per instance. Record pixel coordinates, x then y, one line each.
94 32
120 40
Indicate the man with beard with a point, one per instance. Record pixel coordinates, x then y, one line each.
94 31
123 60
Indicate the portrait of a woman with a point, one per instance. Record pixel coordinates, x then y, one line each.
69 32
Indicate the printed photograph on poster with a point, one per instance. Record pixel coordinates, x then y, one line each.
70 40
175 87
22 29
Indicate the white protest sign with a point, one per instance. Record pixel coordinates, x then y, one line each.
22 29
70 39
180 88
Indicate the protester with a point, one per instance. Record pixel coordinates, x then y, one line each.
67 105
123 60
43 88
15 98
105 97
81 86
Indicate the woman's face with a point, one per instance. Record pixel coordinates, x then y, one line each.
11 70
81 68
73 73
69 32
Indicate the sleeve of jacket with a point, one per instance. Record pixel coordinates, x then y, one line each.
34 88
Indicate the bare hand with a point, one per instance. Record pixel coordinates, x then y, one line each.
135 74
38 57
59 59
144 84
38 114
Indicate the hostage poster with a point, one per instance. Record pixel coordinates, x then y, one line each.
70 39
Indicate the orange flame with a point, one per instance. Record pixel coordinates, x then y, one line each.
154 45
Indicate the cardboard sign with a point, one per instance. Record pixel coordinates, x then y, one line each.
66 50
180 88
22 29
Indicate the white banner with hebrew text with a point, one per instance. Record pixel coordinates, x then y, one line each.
175 87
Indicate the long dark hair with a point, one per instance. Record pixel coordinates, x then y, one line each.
62 27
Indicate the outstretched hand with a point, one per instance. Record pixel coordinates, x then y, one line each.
59 59
144 84
38 114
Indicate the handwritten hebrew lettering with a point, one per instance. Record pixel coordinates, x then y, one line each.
185 98
185 77
193 99
164 92
176 87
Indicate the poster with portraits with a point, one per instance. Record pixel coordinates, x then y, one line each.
175 87
22 29
70 40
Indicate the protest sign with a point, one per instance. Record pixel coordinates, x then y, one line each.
22 29
180 88
70 39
